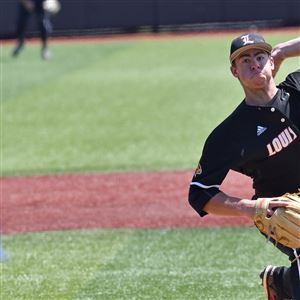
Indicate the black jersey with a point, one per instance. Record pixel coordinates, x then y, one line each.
262 142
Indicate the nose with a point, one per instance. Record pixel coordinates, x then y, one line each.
254 64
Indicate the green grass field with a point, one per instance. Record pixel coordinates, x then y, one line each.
137 264
120 106
115 106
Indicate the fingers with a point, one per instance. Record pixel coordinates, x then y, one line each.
278 58
275 204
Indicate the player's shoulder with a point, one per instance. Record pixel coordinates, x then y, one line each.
291 81
237 116
232 126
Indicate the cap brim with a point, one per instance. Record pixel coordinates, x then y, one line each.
263 46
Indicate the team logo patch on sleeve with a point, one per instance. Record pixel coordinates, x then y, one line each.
198 170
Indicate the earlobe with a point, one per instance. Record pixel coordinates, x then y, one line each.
234 71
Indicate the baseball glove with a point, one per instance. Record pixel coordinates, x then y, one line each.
283 225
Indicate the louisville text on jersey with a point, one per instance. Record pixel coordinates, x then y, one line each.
283 140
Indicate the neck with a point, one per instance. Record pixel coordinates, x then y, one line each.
260 96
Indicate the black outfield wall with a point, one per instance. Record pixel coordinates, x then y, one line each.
97 16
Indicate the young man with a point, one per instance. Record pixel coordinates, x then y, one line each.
26 8
260 139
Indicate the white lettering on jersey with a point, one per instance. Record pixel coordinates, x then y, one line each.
246 40
285 138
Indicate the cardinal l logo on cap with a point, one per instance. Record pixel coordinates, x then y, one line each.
246 39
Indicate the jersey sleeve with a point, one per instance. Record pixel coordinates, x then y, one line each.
292 81
212 169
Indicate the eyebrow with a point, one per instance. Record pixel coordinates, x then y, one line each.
255 54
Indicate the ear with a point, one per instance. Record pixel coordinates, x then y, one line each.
272 63
233 70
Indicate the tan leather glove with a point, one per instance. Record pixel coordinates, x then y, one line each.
284 224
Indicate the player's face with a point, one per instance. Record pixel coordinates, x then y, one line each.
253 68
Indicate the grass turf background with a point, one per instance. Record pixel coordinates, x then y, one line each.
118 106
137 264
139 105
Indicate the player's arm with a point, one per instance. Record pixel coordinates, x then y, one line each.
285 50
225 205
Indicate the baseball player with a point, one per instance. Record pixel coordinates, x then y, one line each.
260 139
26 8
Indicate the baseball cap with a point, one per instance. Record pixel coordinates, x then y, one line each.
248 41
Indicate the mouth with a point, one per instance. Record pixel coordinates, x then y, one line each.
258 74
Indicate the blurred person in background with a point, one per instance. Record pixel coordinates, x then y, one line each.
25 9
3 255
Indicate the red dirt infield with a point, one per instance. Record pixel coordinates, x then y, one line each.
113 200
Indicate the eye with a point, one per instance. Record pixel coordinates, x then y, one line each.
260 58
245 60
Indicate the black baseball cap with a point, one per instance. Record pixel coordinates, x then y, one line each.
248 41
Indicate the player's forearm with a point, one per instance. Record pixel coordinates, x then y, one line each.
225 205
287 49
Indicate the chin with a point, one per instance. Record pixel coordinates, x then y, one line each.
260 79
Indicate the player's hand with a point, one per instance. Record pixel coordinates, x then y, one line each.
285 50
275 204
249 206
278 58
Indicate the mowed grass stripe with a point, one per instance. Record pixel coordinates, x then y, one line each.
194 263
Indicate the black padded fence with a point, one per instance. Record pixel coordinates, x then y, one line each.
78 17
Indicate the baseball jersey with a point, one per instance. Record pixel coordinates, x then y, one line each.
262 142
